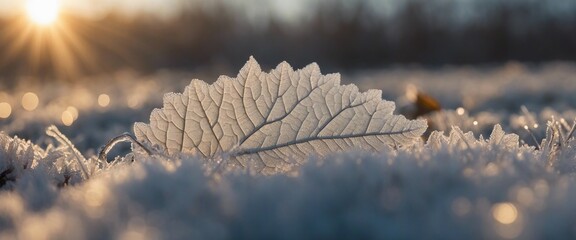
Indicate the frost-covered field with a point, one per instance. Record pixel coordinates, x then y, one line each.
456 185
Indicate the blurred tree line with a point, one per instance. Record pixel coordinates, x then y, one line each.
339 34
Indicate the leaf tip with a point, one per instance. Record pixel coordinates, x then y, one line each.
252 61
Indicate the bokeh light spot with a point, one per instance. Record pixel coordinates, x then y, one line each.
67 118
525 196
541 188
411 92
103 100
30 101
95 196
74 111
460 111
5 110
505 213
491 169
133 102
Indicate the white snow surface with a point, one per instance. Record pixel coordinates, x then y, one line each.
457 185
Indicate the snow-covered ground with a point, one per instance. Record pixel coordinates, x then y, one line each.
488 95
455 187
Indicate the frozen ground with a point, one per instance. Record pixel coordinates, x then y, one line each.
446 189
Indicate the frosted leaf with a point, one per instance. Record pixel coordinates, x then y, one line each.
459 139
276 116
499 137
16 155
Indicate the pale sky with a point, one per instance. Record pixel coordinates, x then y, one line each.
256 9
164 8
96 7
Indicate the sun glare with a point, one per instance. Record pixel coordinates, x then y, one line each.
43 12
55 43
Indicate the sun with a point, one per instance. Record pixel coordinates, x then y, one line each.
43 12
